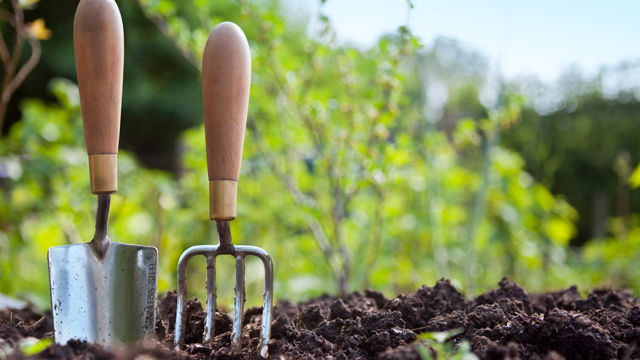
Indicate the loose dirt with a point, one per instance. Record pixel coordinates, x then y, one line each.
504 323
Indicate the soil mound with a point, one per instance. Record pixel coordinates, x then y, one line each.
504 323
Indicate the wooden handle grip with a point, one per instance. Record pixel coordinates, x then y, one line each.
98 42
226 79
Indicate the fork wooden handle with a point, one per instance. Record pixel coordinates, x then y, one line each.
226 80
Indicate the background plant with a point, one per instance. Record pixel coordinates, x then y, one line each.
15 72
382 167
433 346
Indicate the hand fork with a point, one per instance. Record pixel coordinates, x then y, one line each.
226 79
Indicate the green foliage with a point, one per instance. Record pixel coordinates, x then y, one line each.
47 202
27 347
434 346
31 346
344 181
634 179
615 257
339 143
574 152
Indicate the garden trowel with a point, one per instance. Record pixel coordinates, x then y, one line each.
103 292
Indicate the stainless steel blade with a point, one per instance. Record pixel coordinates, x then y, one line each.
109 302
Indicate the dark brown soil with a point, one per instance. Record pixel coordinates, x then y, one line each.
504 323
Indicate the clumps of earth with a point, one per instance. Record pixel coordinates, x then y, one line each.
504 323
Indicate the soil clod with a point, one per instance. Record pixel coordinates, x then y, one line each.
504 323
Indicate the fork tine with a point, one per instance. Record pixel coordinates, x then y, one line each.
236 340
267 304
239 252
209 330
268 293
181 311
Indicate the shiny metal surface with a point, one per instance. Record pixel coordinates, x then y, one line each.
103 292
225 247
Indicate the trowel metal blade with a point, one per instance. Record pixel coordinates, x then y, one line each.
110 302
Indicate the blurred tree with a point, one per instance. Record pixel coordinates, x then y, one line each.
572 133
574 152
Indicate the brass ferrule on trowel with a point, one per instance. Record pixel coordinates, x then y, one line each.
222 199
103 170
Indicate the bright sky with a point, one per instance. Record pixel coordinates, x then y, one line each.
540 37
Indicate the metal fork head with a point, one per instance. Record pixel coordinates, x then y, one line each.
239 252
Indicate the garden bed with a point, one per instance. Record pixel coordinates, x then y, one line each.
504 323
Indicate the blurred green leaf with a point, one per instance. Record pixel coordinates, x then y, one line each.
560 230
634 180
441 337
31 346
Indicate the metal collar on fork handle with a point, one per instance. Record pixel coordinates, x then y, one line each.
225 247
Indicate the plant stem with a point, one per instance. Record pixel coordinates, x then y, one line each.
11 80
480 208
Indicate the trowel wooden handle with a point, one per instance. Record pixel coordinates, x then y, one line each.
226 79
98 41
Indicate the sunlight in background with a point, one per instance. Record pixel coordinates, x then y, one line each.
531 37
